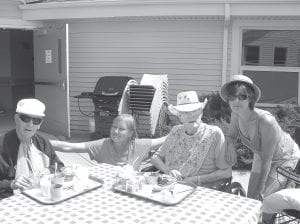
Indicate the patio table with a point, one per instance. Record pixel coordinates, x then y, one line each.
106 206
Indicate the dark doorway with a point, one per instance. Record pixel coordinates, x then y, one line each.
16 69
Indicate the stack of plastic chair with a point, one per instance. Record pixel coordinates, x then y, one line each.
148 103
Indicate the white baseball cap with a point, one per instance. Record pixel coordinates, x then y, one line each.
32 107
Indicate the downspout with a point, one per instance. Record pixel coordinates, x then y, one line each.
225 41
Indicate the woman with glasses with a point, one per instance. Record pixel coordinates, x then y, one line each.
24 152
260 132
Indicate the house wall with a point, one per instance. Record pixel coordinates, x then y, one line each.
188 50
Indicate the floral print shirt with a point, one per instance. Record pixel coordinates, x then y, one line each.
197 154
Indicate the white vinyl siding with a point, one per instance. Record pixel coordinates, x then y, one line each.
188 50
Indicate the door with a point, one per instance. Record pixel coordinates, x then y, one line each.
51 77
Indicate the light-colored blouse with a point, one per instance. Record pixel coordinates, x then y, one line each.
193 155
102 151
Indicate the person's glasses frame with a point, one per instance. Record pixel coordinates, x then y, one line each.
26 119
240 97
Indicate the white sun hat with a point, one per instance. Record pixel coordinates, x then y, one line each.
32 107
243 79
187 102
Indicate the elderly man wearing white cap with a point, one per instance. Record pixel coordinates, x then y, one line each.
25 153
193 151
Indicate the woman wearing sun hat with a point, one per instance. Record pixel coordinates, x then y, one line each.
193 151
260 132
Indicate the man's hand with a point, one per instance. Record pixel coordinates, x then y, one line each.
22 183
176 174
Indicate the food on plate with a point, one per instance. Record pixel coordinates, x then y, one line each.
166 195
125 172
165 180
151 177
126 177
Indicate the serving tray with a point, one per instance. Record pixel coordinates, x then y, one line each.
180 191
68 192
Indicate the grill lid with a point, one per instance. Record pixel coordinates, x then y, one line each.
111 85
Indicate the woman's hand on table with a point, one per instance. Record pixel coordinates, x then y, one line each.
176 174
22 183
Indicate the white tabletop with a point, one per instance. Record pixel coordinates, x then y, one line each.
105 206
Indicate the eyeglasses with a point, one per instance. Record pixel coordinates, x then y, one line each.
27 119
240 97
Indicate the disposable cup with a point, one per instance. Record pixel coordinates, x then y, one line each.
56 192
45 185
58 178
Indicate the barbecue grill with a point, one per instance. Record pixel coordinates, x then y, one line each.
110 99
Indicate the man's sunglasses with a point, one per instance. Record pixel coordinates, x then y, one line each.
27 119
240 97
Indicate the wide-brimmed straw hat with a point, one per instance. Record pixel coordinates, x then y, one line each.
31 107
238 79
187 102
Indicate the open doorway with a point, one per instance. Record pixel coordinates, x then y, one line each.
16 72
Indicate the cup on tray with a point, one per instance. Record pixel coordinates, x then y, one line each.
58 178
45 185
69 173
56 191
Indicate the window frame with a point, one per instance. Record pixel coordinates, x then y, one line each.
237 49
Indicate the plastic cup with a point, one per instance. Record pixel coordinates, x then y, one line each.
45 185
56 192
69 174
58 178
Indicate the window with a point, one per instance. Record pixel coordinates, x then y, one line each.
275 69
251 55
280 55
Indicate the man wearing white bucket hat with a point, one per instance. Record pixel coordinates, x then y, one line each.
193 151
24 153
260 132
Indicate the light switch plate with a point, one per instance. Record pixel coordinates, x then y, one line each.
48 56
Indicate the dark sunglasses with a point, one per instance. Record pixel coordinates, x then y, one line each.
27 119
240 97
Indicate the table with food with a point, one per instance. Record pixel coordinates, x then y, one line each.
114 194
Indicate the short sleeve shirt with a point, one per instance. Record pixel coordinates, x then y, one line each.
102 151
